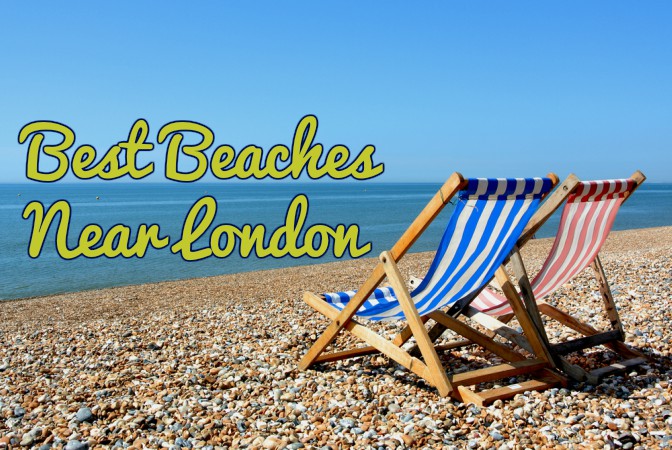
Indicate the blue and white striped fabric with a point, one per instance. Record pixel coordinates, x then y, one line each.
488 219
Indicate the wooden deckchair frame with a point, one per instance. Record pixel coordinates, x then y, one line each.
612 339
430 368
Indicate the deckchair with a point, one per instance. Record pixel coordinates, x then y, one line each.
487 220
585 223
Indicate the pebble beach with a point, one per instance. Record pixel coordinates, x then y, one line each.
211 363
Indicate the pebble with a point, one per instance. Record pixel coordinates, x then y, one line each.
347 423
393 408
76 445
241 426
84 414
272 442
27 440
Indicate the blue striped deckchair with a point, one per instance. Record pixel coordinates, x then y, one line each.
488 219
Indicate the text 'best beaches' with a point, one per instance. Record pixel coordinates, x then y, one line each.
291 238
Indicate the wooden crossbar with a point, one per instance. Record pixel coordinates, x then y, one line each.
595 376
497 372
485 397
346 354
453 345
577 344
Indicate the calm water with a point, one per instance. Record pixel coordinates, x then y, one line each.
383 211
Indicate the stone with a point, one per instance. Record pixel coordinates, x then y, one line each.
84 414
272 442
347 423
76 445
27 440
496 435
241 426
393 408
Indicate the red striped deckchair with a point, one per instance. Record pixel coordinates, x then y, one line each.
584 226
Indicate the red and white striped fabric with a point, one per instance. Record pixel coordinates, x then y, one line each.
586 221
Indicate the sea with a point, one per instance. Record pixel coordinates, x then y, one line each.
382 210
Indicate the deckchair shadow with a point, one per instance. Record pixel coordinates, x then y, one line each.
586 221
488 219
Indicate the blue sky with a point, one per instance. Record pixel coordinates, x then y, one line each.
484 88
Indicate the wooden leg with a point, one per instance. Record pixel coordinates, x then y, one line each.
607 297
528 295
417 326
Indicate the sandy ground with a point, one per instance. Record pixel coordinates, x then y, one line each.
212 362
